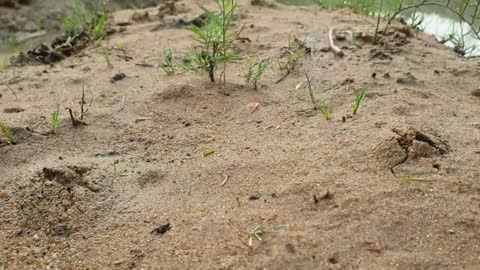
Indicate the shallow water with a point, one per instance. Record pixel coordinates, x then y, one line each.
436 21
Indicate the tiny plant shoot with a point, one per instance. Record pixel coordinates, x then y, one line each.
216 39
166 63
359 99
8 134
55 120
256 70
106 53
318 105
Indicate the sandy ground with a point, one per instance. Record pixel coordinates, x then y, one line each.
396 186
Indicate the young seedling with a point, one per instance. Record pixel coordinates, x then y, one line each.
55 120
8 134
359 99
120 47
216 39
295 51
318 105
106 53
166 63
260 231
256 70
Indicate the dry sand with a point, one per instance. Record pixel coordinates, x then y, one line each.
396 186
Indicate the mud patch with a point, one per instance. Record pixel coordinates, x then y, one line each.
408 148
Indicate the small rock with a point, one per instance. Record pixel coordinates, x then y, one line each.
3 195
254 196
118 77
476 93
162 229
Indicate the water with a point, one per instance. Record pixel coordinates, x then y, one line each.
435 20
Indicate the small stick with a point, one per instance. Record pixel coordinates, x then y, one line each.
122 106
13 92
334 47
254 108
225 181
82 102
283 78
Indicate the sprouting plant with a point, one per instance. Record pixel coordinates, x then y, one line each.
216 39
7 133
260 231
166 63
120 46
318 105
359 99
98 31
256 70
106 53
55 120
295 51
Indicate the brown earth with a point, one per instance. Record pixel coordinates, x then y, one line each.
393 187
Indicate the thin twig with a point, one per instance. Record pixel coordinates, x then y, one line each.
82 102
122 106
334 47
13 92
224 181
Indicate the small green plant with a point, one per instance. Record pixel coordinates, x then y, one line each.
106 53
55 120
256 70
295 51
90 19
260 231
216 39
8 134
120 47
166 63
318 105
359 99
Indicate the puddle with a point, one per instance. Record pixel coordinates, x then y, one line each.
435 20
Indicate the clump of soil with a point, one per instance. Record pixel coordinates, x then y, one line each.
172 173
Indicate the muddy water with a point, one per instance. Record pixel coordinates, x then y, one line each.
435 20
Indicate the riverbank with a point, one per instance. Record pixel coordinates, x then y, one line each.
247 180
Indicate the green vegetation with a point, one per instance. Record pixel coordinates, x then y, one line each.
295 51
256 70
55 120
166 62
86 19
359 99
318 105
106 53
216 39
8 134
